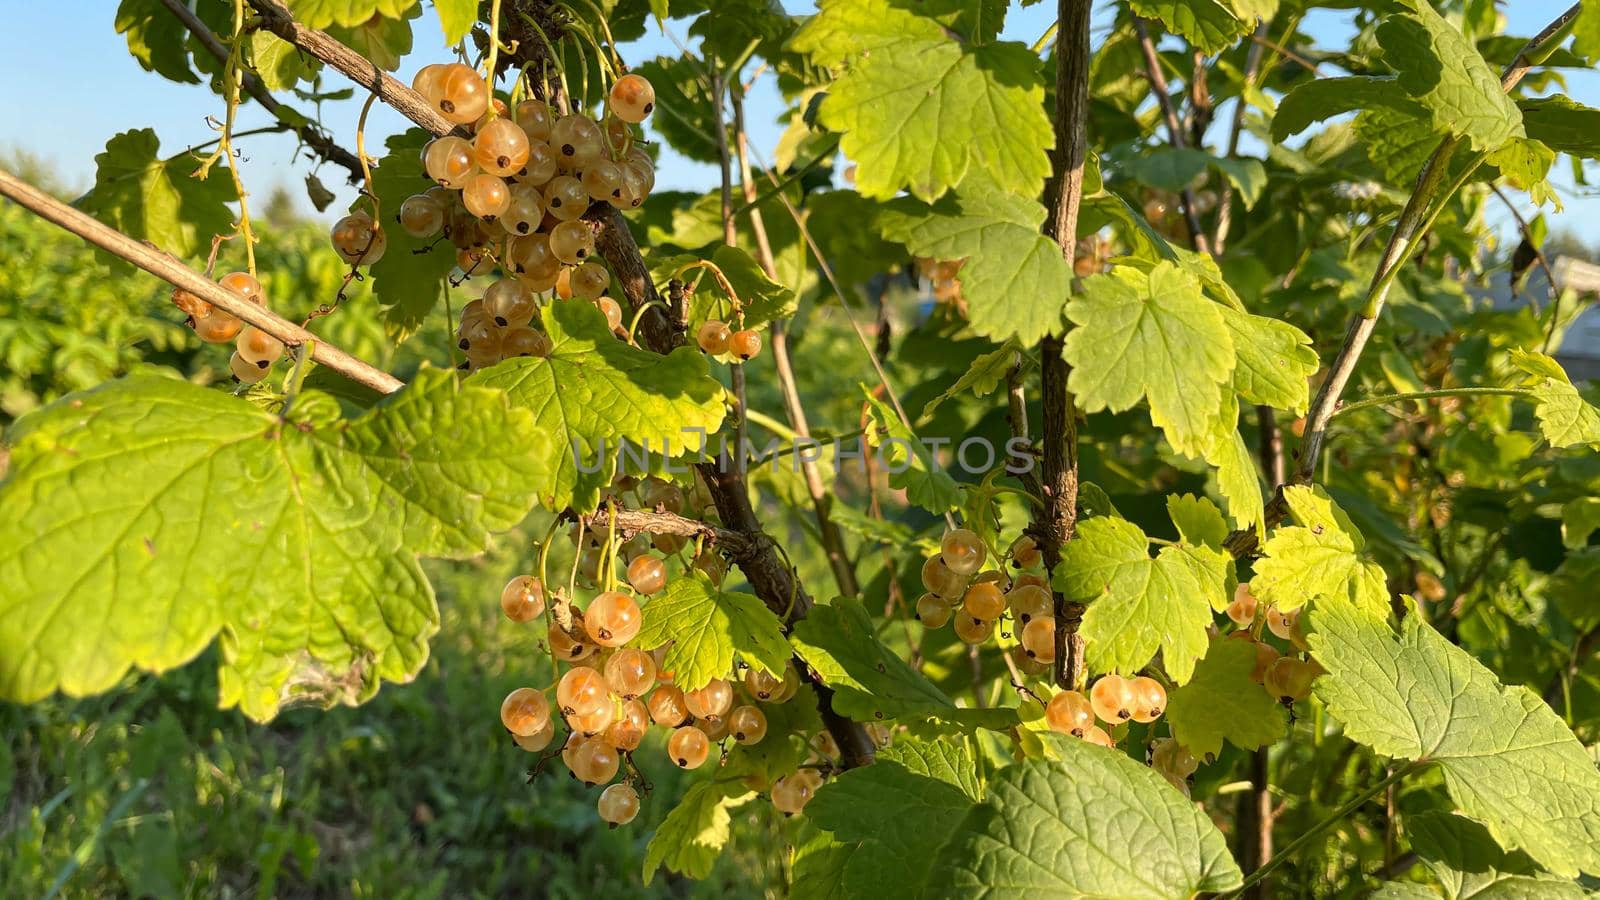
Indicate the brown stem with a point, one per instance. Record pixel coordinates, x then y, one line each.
844 574
1255 816
1158 83
1252 65
762 565
312 136
179 275
1055 523
730 237
278 20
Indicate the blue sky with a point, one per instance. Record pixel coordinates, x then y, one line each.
71 85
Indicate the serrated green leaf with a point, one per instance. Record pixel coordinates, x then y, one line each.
706 626
1238 480
1586 32
1221 702
1065 830
1138 606
686 116
381 41
1398 140
763 299
1275 364
594 393
1210 25
1175 168
1508 760
1579 519
870 681
911 465
922 111
1198 520
692 836
158 200
456 17
891 814
1440 69
200 514
279 63
1320 555
981 378
1524 164
1151 335
1565 418
156 39
1323 98
1563 124
407 281
1469 864
323 13
1015 280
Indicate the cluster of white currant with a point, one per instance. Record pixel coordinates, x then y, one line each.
976 600
1286 676
612 693
512 198
944 277
254 351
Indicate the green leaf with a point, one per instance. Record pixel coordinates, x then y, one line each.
456 17
156 39
921 110
1440 69
1323 98
981 378
1320 555
685 115
1398 140
1579 519
1015 280
1565 418
409 280
1175 168
1151 335
1563 124
692 836
763 299
1238 479
1524 164
1138 605
382 41
1586 32
158 200
1198 520
1275 361
893 814
1469 864
912 466
706 626
200 513
1221 702
870 681
1508 761
279 63
1070 829
1210 25
323 13
594 393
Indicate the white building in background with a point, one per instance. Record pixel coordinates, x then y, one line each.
1579 352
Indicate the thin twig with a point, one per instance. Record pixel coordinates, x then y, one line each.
1158 83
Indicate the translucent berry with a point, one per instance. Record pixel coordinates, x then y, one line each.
1069 712
562 646
688 747
713 337
358 240
218 328
450 161
618 804
748 725
667 706
1150 699
525 211
576 139
258 348
761 684
1281 623
962 551
486 196
191 304
627 730
983 600
647 574
933 611
1025 553
937 577
426 81
525 711
531 255
630 672
589 281
1243 608
602 178
710 702
972 630
613 313
596 762
421 216
791 793
525 341
541 165
522 600
632 98
533 743
247 372
1028 602
462 95
1094 734
612 619
566 198
745 344
1113 699
1039 639
501 148
582 691
1289 679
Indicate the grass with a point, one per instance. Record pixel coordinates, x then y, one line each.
152 791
